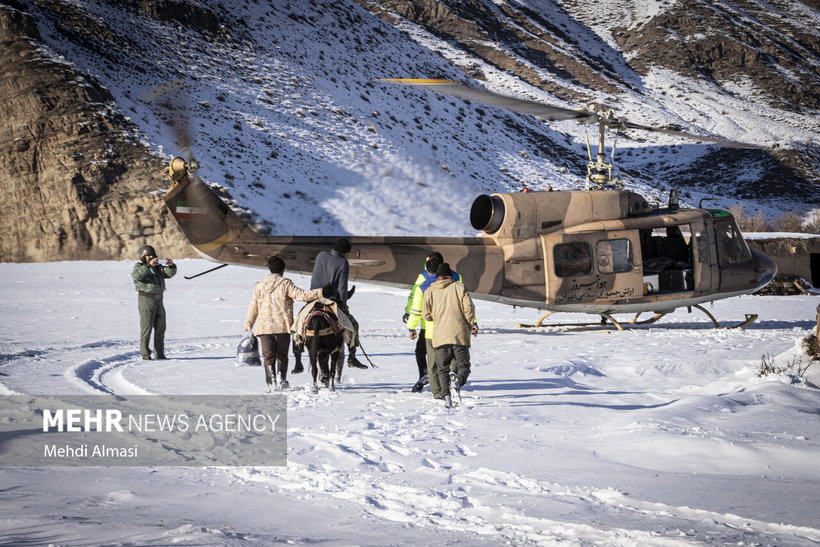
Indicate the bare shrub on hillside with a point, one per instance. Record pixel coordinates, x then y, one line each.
812 225
790 222
746 223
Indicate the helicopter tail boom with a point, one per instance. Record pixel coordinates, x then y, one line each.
220 235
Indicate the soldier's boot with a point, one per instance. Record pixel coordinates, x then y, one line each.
269 376
281 374
352 361
455 390
418 386
298 367
298 349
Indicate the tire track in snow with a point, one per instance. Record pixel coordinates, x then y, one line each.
89 373
107 374
100 366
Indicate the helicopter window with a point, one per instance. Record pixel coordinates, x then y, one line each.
572 259
614 256
733 249
703 247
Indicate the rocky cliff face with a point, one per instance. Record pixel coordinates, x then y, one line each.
77 185
745 42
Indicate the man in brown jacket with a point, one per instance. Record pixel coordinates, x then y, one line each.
270 315
448 305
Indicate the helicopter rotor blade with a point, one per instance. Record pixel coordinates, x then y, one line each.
555 113
171 97
623 124
540 110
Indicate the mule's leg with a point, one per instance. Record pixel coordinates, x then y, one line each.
332 373
333 364
338 363
314 368
323 363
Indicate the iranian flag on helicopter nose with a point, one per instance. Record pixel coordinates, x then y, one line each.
186 210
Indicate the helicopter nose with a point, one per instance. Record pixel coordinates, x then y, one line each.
765 268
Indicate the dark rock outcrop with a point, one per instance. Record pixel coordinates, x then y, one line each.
77 183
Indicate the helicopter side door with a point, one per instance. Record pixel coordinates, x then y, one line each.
591 268
734 258
707 272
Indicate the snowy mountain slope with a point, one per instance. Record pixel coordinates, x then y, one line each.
663 63
660 435
287 117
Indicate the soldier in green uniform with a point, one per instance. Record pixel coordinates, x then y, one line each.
149 279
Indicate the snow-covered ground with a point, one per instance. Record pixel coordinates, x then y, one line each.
660 435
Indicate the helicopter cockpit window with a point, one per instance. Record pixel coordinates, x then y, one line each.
732 248
614 256
572 259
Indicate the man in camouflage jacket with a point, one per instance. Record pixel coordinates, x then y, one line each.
270 315
149 280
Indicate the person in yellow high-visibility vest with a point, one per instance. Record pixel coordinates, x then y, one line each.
425 358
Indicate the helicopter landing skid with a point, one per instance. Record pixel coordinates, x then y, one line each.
605 319
608 319
750 318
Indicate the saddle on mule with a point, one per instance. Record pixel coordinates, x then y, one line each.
324 339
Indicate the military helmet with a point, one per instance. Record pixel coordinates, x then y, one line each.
146 250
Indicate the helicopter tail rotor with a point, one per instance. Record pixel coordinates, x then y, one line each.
172 98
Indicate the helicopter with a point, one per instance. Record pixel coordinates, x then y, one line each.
602 251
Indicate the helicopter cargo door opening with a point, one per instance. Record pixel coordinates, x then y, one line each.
667 259
591 269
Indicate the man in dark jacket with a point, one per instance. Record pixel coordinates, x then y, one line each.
332 268
149 280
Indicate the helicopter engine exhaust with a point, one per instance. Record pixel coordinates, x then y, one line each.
487 213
